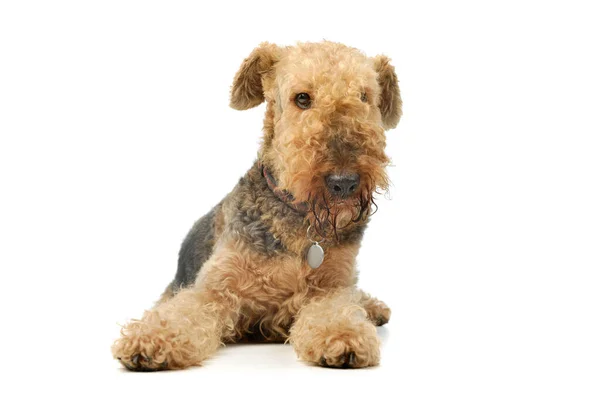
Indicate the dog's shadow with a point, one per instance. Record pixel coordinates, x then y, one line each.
383 333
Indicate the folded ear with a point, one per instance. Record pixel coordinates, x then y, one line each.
247 88
390 102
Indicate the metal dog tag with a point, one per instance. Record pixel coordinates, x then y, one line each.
315 256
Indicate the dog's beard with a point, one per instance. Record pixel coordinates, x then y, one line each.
330 216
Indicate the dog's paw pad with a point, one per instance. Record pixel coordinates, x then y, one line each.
140 363
345 360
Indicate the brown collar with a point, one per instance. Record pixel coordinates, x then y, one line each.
283 195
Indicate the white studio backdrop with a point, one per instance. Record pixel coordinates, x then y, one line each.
115 136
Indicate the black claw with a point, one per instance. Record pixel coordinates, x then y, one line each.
140 363
347 360
351 359
129 366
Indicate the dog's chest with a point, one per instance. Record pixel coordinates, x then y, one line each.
277 278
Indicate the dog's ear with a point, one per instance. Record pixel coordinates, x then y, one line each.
390 102
247 89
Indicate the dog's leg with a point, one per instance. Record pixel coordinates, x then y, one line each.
377 311
179 332
335 331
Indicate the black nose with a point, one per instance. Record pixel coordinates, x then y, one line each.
342 185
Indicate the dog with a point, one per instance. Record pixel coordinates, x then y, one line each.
275 259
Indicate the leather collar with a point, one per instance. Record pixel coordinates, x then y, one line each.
283 195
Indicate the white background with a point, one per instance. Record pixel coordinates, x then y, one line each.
116 135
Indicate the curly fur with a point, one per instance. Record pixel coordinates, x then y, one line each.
334 331
242 272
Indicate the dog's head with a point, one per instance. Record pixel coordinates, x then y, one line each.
327 108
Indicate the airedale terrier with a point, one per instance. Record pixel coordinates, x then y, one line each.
275 259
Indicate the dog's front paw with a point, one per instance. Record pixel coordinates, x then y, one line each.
351 346
348 352
144 347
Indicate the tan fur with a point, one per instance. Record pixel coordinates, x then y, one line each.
334 327
390 101
166 295
240 292
247 88
377 311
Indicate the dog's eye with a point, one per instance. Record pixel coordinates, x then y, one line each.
303 100
363 97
